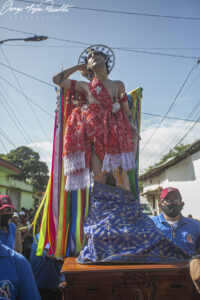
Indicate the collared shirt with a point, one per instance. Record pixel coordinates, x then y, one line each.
16 278
8 238
185 234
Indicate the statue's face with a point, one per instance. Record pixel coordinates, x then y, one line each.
95 58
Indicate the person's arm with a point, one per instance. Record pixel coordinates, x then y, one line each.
195 271
62 80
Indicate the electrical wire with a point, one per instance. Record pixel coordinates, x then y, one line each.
7 138
172 104
79 47
197 77
186 134
36 104
155 53
177 134
15 115
115 11
10 113
114 48
171 142
3 145
172 118
46 112
27 100
27 75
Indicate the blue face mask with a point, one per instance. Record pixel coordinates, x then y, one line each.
172 210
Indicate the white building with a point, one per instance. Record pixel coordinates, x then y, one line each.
182 172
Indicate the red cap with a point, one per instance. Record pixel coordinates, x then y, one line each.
5 201
168 190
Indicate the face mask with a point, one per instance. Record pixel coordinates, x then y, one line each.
172 210
4 220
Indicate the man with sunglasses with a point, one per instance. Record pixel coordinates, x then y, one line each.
184 232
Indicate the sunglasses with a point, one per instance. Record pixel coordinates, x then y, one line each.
93 52
171 200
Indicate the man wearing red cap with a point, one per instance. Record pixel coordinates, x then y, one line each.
7 229
16 278
184 232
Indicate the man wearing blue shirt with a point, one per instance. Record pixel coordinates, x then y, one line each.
184 232
16 277
46 270
7 230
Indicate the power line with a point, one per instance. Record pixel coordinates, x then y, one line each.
36 104
27 100
27 75
14 121
188 131
172 118
172 140
45 111
188 128
174 137
155 53
7 138
45 46
193 82
15 116
173 102
51 85
3 145
114 48
117 12
79 47
181 130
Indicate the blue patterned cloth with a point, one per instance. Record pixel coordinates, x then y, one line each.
118 232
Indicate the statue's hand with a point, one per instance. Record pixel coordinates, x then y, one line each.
84 70
195 272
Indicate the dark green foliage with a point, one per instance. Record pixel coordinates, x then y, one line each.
33 170
172 153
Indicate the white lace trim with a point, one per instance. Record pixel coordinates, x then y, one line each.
76 181
124 160
74 162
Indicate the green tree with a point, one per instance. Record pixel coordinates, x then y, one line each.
178 149
33 170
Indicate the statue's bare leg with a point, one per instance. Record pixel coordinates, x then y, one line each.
122 179
96 166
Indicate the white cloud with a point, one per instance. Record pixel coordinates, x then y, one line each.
45 151
165 138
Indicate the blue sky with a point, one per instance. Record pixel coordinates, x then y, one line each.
160 76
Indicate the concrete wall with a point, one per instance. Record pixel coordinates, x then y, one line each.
20 192
27 200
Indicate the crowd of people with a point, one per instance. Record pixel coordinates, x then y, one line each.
23 237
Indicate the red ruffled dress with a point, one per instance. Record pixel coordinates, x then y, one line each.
106 127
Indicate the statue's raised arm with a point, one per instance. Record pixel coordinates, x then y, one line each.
62 78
